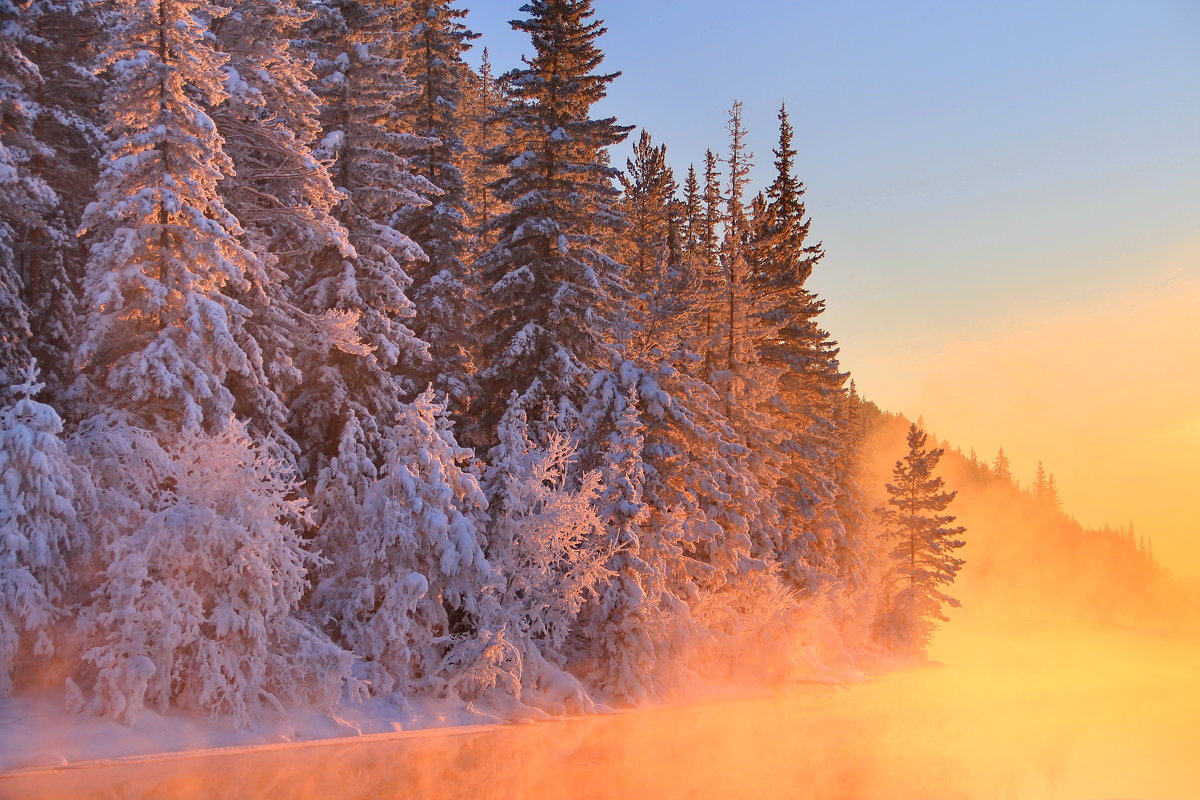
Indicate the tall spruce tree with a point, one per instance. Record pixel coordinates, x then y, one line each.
443 291
548 321
742 326
163 339
483 100
781 258
280 192
924 545
65 108
25 198
352 395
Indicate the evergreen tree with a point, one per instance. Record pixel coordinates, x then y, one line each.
1045 487
279 191
407 585
1052 492
442 290
162 339
196 607
742 326
1041 482
1001 467
351 396
40 532
810 389
547 325
483 100
648 194
25 198
65 109
923 556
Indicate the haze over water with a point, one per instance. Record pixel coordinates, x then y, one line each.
1028 712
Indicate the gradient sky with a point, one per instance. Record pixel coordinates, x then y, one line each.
1009 196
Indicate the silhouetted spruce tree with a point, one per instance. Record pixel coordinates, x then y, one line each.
548 318
443 292
924 545
1001 467
1045 487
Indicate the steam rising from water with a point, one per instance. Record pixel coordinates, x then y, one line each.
1018 713
1063 676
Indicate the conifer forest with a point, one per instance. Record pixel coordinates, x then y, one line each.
340 365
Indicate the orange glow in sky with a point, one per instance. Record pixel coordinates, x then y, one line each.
1105 391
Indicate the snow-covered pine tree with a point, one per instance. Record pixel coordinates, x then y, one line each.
163 339
547 323
780 260
551 547
25 198
62 150
407 590
621 624
40 532
923 556
483 99
351 396
204 566
196 607
742 325
443 291
278 190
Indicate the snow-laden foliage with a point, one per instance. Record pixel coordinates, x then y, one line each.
25 197
163 339
405 588
40 531
548 320
48 150
203 575
444 291
280 192
551 549
317 253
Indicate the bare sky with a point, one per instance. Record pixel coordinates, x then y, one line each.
1009 195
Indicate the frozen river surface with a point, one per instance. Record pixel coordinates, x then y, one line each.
1031 712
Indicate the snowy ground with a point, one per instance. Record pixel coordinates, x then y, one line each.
36 731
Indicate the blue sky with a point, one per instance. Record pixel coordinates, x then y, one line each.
985 176
963 159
